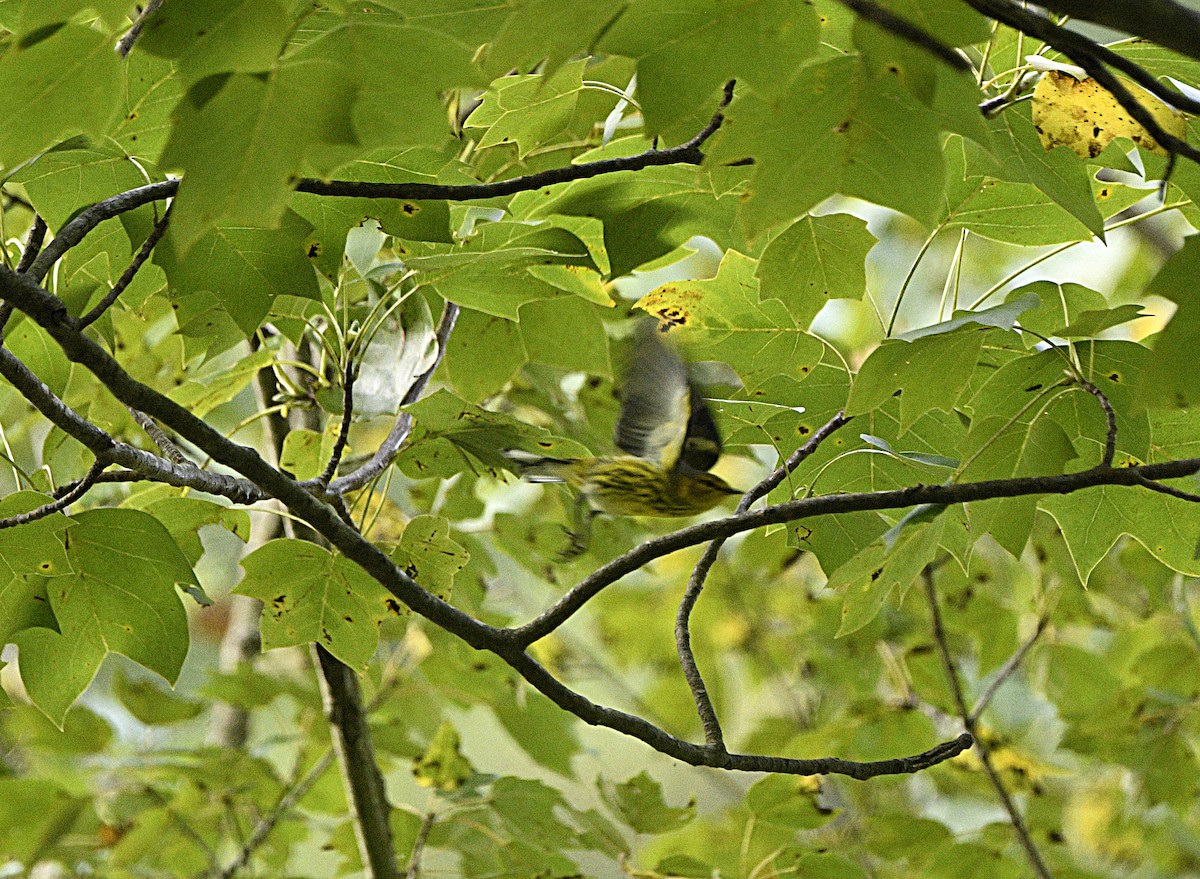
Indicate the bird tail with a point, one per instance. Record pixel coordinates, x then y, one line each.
536 468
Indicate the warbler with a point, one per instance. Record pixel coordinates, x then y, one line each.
667 430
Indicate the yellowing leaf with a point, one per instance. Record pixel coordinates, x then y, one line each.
1085 117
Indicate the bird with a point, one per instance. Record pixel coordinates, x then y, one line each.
669 438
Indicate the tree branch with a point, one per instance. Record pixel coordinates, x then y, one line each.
78 490
403 425
1018 822
127 276
366 794
125 44
683 641
1087 54
74 231
269 821
906 30
1164 22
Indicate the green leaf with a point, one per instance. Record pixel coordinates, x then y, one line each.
832 116
546 29
311 595
277 120
566 333
63 182
999 448
442 766
241 269
1094 519
728 320
1014 212
151 704
429 555
120 598
930 372
451 435
528 110
639 803
814 260
150 94
648 213
1092 323
217 36
1170 377
1059 173
871 577
185 516
395 69
476 378
493 270
68 83
686 50
35 813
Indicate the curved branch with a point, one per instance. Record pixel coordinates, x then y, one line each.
1090 56
1165 22
1014 814
906 30
683 641
127 276
73 232
78 489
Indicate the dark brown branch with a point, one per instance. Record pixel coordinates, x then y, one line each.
88 219
418 850
1164 22
282 809
127 276
366 795
1168 490
339 445
1110 418
688 153
906 30
49 313
683 642
78 489
1086 54
168 448
1014 814
33 244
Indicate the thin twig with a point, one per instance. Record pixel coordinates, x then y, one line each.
1110 417
1168 490
78 489
683 641
339 445
125 44
169 449
33 244
689 153
414 861
1005 672
906 30
269 821
1018 822
127 276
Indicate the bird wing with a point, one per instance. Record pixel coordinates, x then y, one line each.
664 418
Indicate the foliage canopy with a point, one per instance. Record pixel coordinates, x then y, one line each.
283 280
